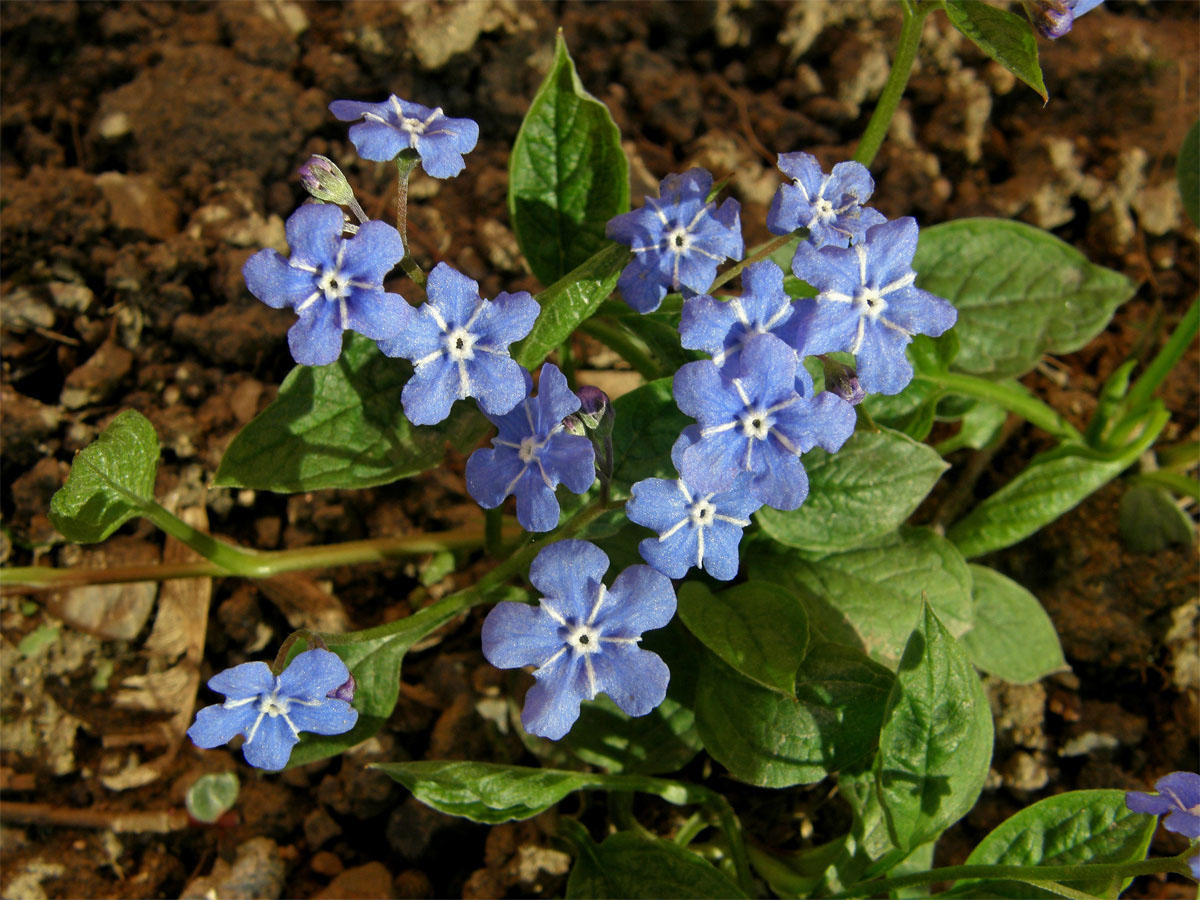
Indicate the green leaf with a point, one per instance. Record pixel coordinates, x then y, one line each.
1187 172
981 423
494 793
770 740
111 481
567 175
211 796
1012 638
936 742
1069 829
758 628
646 427
1048 487
866 489
1020 292
1005 37
870 597
342 426
642 867
1149 520
569 301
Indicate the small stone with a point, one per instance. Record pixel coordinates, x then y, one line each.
326 863
23 310
71 296
244 400
413 884
370 882
113 126
137 203
26 423
97 378
320 827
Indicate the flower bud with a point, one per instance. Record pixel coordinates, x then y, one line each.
345 691
325 181
595 409
843 381
1051 18
573 424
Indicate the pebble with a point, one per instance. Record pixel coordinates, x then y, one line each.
97 378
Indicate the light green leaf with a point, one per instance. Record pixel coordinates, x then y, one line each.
567 175
1020 292
111 480
1006 38
342 426
642 867
1069 829
870 597
1012 637
646 427
211 796
770 740
758 628
936 742
866 489
493 793
569 301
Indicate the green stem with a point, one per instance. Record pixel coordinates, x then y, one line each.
760 254
493 523
252 564
405 163
690 829
1172 481
889 100
234 560
617 338
732 828
1024 874
1010 398
1143 389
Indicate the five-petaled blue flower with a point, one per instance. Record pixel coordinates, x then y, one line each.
270 710
829 206
333 283
694 528
1178 796
394 125
458 346
757 422
532 454
583 637
722 327
678 240
1054 18
868 304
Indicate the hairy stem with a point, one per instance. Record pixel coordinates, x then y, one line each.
1143 389
1008 397
889 100
405 163
757 256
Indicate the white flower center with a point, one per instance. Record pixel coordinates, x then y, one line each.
333 284
528 449
679 240
756 424
273 705
870 302
413 126
460 344
702 512
823 209
584 639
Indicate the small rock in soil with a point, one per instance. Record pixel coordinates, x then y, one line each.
233 335
26 424
256 874
97 378
320 827
24 309
326 863
369 882
136 203
412 884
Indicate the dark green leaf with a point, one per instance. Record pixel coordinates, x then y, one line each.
770 740
492 793
629 865
647 425
111 480
866 489
342 426
1068 829
1012 637
1187 170
1005 37
1020 292
758 628
870 597
567 175
936 742
569 301
1150 521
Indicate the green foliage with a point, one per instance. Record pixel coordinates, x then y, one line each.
1020 292
870 597
1012 637
862 492
111 481
1187 171
936 741
768 739
342 426
567 175
1005 37
628 865
647 425
1150 521
211 796
758 628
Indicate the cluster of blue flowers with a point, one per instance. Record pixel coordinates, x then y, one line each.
1177 797
753 401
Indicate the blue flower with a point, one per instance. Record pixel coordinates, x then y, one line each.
270 710
583 637
694 528
829 206
678 240
757 422
459 348
334 283
868 304
722 327
1179 797
394 125
532 454
1054 18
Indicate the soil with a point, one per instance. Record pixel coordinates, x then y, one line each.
147 149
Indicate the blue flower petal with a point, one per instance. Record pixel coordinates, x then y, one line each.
920 312
452 294
215 725
890 248
830 269
333 716
705 324
277 284
823 326
271 745
377 141
635 679
537 507
461 134
315 339
350 110
721 549
780 480
245 680
555 399
439 158
642 286
378 315
490 473
372 253
674 556
883 366
314 233
496 382
639 600
517 634
507 319
571 459
312 675
420 338
431 391
713 464
701 393
552 705
656 503
563 573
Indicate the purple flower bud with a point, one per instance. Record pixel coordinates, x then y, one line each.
595 409
344 691
325 181
572 424
843 381
1051 18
